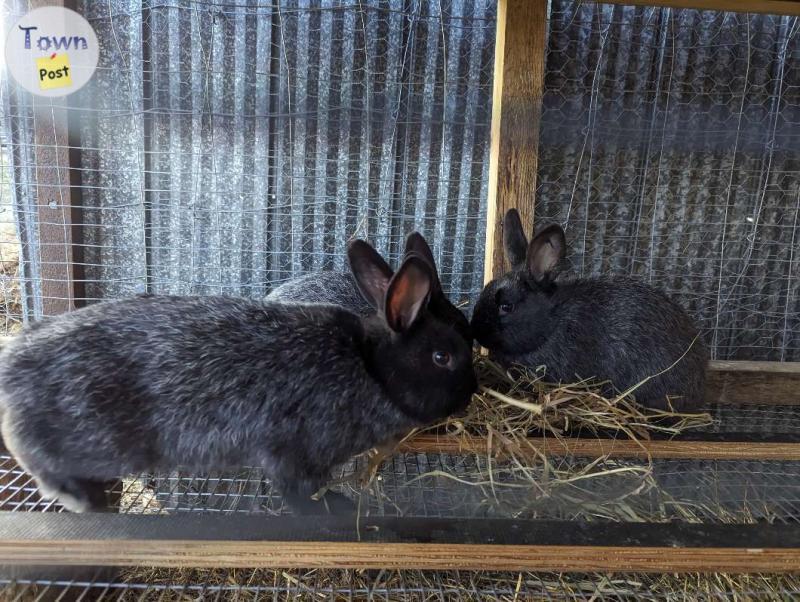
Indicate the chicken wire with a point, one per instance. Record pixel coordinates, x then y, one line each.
221 148
669 150
456 486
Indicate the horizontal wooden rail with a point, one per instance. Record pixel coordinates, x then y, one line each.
776 383
613 448
772 7
245 541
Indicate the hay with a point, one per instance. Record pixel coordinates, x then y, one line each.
517 402
341 584
511 476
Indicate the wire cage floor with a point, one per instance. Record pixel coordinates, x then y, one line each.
447 485
252 585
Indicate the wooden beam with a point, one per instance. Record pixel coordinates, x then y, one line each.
612 448
772 7
53 208
52 195
760 383
247 541
516 108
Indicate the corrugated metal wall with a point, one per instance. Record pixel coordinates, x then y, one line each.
670 149
225 147
228 146
245 143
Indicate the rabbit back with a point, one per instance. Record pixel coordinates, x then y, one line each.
622 330
337 288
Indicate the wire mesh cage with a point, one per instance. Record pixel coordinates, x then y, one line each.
222 148
669 151
470 486
393 585
225 584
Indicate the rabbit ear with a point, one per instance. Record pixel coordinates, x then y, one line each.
417 245
514 241
371 272
408 293
546 250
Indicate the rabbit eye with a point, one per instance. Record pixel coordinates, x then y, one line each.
441 358
506 308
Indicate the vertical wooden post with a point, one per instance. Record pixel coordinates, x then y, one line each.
516 107
53 200
53 207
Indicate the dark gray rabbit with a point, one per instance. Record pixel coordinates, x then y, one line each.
155 382
614 329
339 288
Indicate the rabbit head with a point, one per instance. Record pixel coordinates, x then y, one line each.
425 365
512 315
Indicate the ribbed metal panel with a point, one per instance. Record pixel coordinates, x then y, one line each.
274 133
228 146
670 149
225 147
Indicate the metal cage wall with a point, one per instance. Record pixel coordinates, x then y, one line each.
223 147
669 150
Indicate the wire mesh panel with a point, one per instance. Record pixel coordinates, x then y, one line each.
224 147
473 486
225 584
668 149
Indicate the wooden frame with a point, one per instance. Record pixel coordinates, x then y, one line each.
53 194
188 540
516 107
53 205
680 449
245 541
758 383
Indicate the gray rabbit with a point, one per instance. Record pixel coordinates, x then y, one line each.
340 288
153 383
614 329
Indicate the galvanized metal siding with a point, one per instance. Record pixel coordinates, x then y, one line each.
279 133
670 150
227 146
113 180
